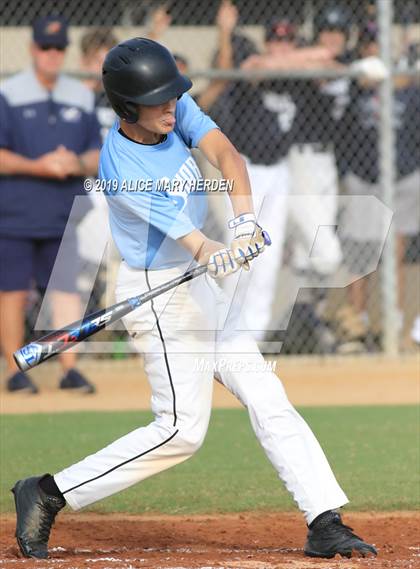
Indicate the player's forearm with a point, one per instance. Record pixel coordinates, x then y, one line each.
200 246
221 153
193 242
233 167
15 164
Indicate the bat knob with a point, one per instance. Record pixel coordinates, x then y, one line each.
267 239
28 356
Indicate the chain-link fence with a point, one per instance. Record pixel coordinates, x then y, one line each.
321 97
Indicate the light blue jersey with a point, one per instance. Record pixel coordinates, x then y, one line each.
154 191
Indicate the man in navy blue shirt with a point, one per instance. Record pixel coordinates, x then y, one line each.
49 141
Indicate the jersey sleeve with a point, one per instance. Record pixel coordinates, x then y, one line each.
5 123
191 123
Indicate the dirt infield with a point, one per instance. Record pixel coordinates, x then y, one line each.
309 381
240 541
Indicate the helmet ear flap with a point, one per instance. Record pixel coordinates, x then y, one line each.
132 112
128 111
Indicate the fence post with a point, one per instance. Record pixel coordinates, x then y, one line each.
390 316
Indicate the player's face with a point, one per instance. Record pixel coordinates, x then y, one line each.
48 61
333 40
159 119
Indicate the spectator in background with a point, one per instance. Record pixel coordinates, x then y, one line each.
94 46
267 120
359 130
159 21
319 106
226 55
49 141
260 121
182 63
306 165
312 161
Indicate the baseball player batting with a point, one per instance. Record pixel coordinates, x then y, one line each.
158 233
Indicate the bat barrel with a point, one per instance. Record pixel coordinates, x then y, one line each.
61 340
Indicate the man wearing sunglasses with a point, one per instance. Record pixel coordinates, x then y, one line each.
49 142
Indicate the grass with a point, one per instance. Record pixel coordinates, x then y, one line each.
374 452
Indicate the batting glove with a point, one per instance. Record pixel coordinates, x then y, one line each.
371 68
222 263
250 240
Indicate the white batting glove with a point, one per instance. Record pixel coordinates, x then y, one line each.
372 68
222 263
249 240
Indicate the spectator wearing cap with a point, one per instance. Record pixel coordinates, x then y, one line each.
283 50
360 128
159 20
319 109
49 142
319 144
332 28
280 36
262 120
319 105
94 45
259 121
312 160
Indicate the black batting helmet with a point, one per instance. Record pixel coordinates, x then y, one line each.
141 72
334 17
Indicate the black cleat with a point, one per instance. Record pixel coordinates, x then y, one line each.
75 381
19 381
35 514
328 536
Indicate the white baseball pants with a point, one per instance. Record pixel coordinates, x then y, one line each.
176 333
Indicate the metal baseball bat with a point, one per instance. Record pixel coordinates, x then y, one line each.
59 341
